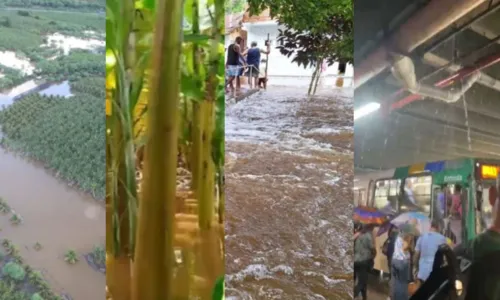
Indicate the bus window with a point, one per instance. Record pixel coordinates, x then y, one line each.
486 210
417 194
386 193
359 197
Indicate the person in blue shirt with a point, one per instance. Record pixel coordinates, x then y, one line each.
426 248
253 61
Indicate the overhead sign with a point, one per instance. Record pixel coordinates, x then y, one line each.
489 171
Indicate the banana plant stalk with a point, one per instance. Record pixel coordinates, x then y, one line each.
121 170
197 116
211 256
154 259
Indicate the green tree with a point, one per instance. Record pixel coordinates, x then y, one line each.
315 31
234 6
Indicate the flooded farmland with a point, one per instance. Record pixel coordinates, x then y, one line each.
54 215
57 217
289 185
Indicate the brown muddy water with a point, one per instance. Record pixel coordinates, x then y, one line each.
289 181
57 217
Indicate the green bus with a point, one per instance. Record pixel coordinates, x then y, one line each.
427 187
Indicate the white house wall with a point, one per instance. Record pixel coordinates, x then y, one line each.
281 70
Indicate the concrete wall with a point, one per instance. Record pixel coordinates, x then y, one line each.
281 70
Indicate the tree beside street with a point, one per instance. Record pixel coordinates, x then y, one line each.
316 32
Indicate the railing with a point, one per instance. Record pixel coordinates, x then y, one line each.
254 69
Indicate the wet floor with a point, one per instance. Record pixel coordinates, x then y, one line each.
57 217
289 193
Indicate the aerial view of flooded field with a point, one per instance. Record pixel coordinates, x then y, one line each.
52 159
289 185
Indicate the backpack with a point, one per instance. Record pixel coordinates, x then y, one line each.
388 246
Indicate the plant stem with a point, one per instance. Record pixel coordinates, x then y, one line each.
211 256
154 259
196 124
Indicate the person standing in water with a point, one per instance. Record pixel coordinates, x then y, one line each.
232 63
253 62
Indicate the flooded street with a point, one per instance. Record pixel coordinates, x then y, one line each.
289 190
54 215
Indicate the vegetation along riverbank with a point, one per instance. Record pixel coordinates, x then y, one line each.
66 135
61 129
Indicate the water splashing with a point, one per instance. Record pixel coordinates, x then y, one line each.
289 170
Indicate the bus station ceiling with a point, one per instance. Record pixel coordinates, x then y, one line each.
428 129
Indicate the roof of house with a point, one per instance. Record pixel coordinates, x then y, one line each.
262 17
233 22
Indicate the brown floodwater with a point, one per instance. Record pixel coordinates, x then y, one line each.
59 218
289 181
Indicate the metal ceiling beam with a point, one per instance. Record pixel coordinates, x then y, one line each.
478 124
421 119
438 62
423 25
481 64
469 24
426 142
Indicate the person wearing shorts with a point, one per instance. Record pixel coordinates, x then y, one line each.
232 62
253 61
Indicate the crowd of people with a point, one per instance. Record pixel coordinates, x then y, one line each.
242 61
420 262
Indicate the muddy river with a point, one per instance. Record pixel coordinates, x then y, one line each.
59 218
289 191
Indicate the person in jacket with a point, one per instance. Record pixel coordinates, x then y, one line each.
364 249
484 251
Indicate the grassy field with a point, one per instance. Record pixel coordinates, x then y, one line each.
21 33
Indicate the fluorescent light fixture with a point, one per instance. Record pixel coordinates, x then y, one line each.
366 110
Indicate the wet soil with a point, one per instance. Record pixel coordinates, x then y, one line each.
289 181
60 219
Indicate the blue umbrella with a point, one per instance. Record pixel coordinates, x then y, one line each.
420 221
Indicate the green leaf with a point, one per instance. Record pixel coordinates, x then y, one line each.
191 87
196 38
218 291
188 10
149 4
